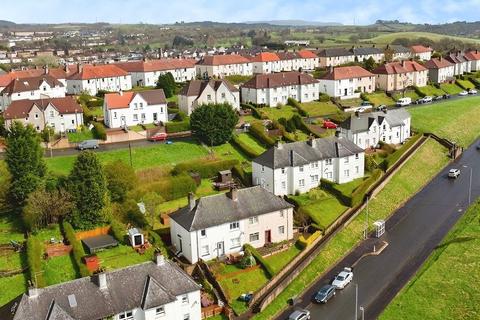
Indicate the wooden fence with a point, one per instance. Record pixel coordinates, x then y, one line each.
92 233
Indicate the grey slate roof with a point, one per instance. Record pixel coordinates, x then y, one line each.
304 152
362 51
334 52
219 209
128 288
363 121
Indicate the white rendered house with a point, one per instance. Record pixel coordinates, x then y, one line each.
93 78
366 130
134 108
223 65
440 70
218 225
298 167
347 82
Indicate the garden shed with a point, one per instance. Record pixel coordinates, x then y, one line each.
136 237
101 242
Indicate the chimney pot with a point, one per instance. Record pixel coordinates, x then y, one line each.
233 194
191 201
102 280
160 260
32 292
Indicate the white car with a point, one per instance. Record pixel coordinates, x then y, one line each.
427 99
454 173
299 315
472 91
361 109
463 93
343 278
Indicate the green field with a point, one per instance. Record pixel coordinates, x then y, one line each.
389 37
318 109
59 269
379 98
423 166
279 260
79 136
157 154
446 287
456 120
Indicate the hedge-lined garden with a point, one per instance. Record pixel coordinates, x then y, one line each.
78 251
268 268
395 156
34 259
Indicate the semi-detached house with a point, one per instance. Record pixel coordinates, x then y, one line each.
218 225
298 167
276 88
347 82
399 75
224 65
421 52
364 53
94 78
269 62
462 64
332 57
126 109
440 70
146 291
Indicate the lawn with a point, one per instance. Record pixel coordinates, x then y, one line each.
12 287
408 93
253 143
275 113
446 287
456 120
389 37
350 102
423 166
80 135
348 188
123 256
451 88
238 79
379 98
280 260
142 157
319 109
59 269
10 228
431 91
466 84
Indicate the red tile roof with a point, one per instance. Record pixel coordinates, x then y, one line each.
339 73
281 79
307 54
20 109
265 57
96 72
473 55
123 99
399 67
420 49
217 60
157 65
437 63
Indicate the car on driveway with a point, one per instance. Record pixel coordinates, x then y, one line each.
343 278
463 93
453 173
299 315
159 136
324 294
327 124
472 91
87 144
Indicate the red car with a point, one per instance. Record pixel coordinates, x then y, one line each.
159 136
329 125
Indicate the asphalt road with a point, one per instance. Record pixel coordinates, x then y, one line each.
412 233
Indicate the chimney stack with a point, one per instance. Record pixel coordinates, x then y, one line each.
279 145
233 194
337 133
102 280
312 142
191 201
32 292
160 260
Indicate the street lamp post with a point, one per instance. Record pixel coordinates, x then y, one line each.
356 301
365 231
470 185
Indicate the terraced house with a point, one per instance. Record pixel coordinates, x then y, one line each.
421 52
219 225
299 166
474 57
440 70
462 64
364 53
332 57
399 75
147 291
223 65
276 88
347 82
92 78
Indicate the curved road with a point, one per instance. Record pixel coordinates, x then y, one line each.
412 233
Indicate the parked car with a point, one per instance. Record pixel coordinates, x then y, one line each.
365 104
343 278
436 98
454 173
327 124
478 146
427 99
463 93
88 144
382 107
325 293
159 136
299 315
402 102
446 96
472 91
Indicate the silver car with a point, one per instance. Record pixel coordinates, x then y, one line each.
88 144
299 315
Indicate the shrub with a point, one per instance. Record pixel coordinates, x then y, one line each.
258 131
303 243
268 268
99 131
157 241
245 177
329 186
77 249
206 168
294 103
394 157
418 91
388 148
324 97
257 113
169 188
131 213
177 126
359 194
34 260
117 230
370 163
244 147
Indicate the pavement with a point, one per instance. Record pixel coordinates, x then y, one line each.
412 233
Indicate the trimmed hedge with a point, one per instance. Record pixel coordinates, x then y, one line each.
170 188
258 131
294 103
418 91
177 126
117 230
77 249
99 131
324 97
257 113
329 186
303 243
391 159
251 153
359 194
34 260
268 268
156 240
206 169
245 177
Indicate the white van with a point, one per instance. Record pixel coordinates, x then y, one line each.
402 102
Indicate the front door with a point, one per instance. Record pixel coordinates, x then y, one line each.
220 249
268 236
154 116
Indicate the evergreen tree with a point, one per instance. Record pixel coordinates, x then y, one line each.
370 64
213 123
88 187
121 178
24 158
167 83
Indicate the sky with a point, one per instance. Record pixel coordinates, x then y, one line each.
359 12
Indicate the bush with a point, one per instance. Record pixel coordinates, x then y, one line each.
370 163
118 230
303 243
77 249
268 268
34 260
324 97
245 177
359 194
418 91
394 157
99 131
157 241
244 147
388 148
206 168
258 131
131 213
257 113
169 188
177 126
329 186
294 103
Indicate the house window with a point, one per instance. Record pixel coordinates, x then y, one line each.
329 175
185 299
253 220
283 170
356 156
301 182
281 229
357 169
328 161
263 168
254 237
300 168
223 95
203 233
36 115
160 311
346 159
234 225
281 214
114 115
141 105
346 173
52 113
209 97
135 117
73 121
235 243
204 251
135 106
128 315
161 109
284 185
143 116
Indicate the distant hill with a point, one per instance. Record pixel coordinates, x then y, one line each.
295 23
388 38
5 23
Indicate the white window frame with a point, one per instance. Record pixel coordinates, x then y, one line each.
253 237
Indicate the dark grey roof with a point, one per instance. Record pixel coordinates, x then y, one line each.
153 97
334 52
127 288
364 120
304 152
220 209
96 243
366 51
399 48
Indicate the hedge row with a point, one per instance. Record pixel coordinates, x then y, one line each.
294 103
251 153
258 131
324 97
418 91
170 188
329 186
157 241
288 136
268 268
206 169
117 230
99 131
394 157
245 177
303 243
257 113
34 260
77 249
359 194
177 126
